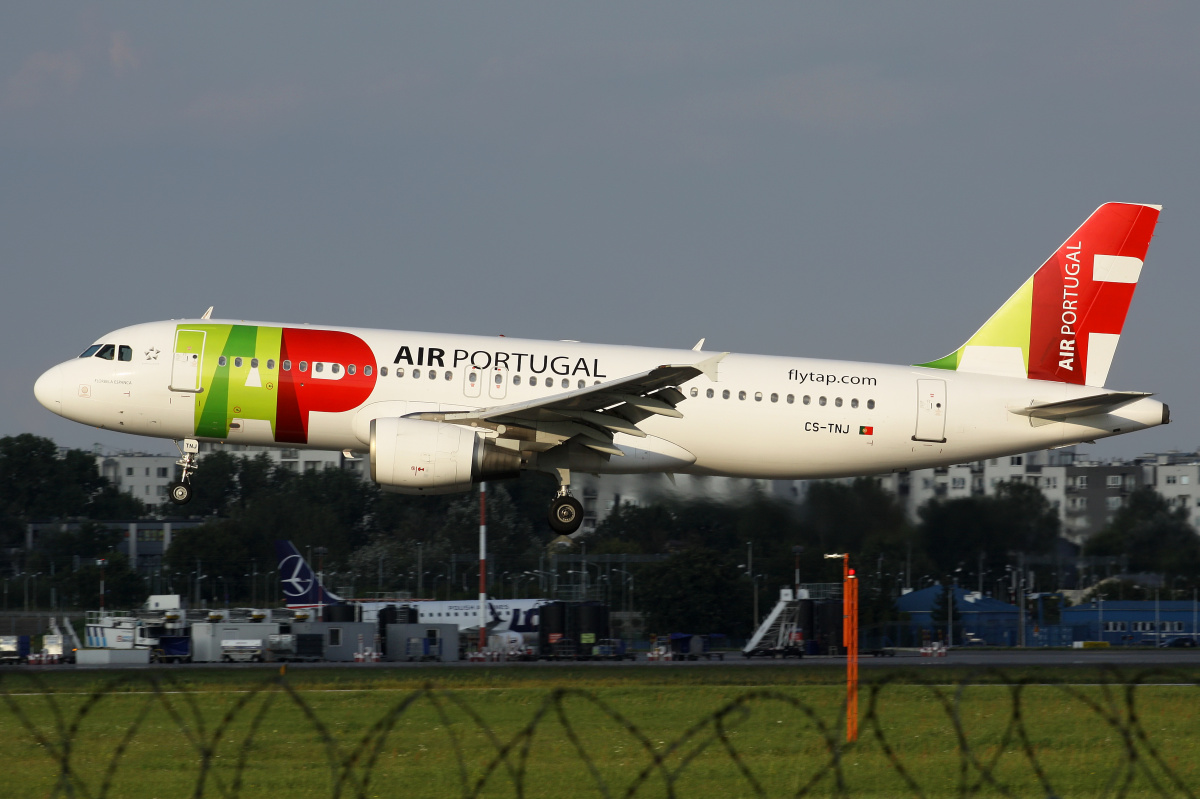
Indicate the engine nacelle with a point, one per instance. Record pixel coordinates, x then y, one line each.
410 456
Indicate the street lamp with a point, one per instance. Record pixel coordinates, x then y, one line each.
629 590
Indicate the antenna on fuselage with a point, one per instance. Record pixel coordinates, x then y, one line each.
208 313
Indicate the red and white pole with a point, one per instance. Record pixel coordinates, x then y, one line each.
482 566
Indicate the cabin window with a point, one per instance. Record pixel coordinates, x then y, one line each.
351 369
399 371
383 371
499 378
807 400
336 368
516 379
303 367
566 383
254 363
237 362
416 373
695 392
449 375
90 351
125 353
709 393
791 398
854 403
758 396
533 381
582 383
367 370
318 367
838 402
725 394
870 405
222 361
774 398
821 401
287 366
432 375
741 395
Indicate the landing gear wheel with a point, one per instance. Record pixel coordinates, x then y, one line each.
180 493
566 515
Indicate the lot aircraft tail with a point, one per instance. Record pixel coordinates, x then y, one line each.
1064 322
301 586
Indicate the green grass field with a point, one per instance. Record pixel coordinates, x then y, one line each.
547 732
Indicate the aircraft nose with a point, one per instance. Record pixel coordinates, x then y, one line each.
48 390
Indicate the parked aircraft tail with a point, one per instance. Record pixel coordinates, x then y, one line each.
301 586
1064 322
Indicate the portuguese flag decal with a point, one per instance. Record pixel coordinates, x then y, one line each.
866 431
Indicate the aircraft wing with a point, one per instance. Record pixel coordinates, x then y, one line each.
1082 406
590 415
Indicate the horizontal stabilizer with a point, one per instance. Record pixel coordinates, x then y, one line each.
1083 406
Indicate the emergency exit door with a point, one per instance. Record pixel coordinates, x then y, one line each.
931 411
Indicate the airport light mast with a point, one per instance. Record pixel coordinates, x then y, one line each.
850 639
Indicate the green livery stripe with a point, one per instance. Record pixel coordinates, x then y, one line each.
232 391
1008 327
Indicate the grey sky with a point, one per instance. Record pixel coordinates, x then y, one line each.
861 181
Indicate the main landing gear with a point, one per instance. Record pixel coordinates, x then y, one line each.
566 512
180 492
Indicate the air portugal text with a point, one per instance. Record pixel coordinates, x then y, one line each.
1070 307
515 361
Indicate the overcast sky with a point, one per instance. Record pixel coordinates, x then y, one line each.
860 181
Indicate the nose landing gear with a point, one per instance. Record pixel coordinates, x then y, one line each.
180 492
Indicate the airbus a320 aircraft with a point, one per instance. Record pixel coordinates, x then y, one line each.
437 413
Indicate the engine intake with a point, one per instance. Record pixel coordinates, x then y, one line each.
410 456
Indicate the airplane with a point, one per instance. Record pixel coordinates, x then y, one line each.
514 619
438 413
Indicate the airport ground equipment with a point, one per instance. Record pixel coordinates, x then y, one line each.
295 647
14 649
172 649
686 646
611 649
72 640
780 634
208 636
247 650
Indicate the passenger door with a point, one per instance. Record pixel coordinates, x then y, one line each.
187 360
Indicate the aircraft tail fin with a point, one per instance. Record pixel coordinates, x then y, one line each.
1063 324
300 584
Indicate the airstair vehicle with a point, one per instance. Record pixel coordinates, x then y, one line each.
780 634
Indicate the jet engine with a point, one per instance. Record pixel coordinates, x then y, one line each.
410 456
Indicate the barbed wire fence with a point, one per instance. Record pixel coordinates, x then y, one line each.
477 759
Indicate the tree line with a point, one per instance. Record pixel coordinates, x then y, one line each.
719 555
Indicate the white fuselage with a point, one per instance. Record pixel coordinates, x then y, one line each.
763 417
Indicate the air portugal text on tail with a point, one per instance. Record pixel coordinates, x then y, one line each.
436 412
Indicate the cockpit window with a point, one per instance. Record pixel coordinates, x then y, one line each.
90 351
107 352
124 353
